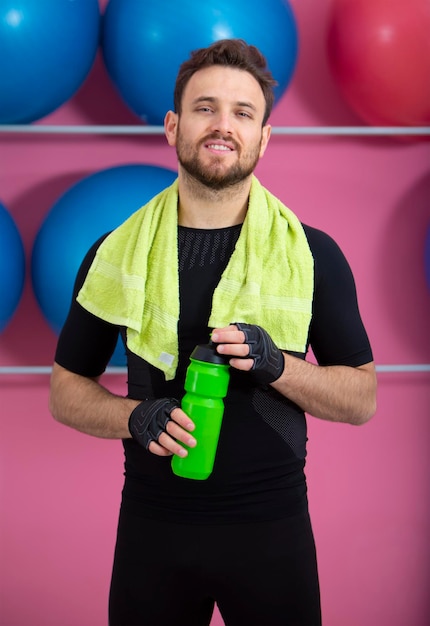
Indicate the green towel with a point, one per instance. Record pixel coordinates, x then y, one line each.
133 280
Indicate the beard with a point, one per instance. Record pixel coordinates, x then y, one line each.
214 175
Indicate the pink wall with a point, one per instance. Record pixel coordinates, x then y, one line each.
368 487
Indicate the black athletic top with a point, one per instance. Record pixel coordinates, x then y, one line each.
259 467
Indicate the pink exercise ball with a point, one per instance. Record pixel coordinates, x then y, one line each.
379 53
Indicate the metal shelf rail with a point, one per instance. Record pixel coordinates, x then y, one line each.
159 130
46 369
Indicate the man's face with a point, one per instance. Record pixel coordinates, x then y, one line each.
219 136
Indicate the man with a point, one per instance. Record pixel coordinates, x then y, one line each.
215 255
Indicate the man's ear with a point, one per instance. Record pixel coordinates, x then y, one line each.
170 127
265 136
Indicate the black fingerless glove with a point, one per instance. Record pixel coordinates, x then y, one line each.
268 359
149 419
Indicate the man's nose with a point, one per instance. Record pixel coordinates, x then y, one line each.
222 123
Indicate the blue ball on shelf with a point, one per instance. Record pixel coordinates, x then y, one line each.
46 49
144 43
92 207
12 267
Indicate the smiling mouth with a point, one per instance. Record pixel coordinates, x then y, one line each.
218 147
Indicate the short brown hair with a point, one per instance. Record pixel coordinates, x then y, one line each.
234 53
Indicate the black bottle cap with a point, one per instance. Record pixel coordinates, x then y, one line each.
208 354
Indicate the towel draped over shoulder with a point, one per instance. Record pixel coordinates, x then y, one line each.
269 280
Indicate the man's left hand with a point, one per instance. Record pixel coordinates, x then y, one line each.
251 349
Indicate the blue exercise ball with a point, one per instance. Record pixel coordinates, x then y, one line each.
92 207
145 42
47 48
12 267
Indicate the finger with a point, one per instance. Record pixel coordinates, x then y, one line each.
168 448
245 365
230 334
179 434
155 448
224 328
181 418
172 445
239 350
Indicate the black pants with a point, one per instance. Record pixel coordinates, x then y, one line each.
259 574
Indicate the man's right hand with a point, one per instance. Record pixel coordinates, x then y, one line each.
161 426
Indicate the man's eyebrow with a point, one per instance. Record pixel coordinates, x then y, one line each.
212 99
246 104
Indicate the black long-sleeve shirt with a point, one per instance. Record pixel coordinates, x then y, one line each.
259 468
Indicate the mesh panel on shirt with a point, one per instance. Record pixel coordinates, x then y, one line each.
206 247
284 417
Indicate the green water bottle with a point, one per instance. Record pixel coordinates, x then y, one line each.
206 384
